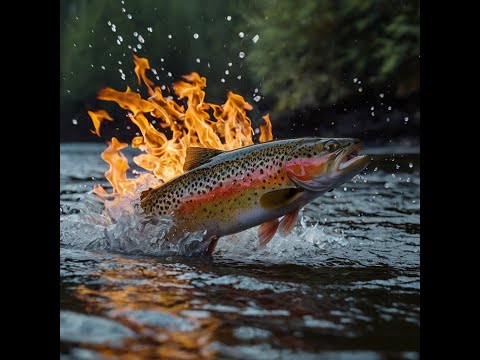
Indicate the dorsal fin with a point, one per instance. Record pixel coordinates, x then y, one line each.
145 193
197 156
278 198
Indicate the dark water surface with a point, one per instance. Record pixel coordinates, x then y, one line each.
344 285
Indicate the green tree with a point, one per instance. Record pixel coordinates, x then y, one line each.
309 52
96 35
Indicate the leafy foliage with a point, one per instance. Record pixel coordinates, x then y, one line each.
307 54
88 42
310 51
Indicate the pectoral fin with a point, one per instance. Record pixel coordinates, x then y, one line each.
278 198
266 231
288 222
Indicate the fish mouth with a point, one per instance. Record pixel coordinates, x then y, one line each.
348 160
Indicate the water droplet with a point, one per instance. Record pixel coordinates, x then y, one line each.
257 130
195 36
208 64
241 55
103 67
222 80
141 39
169 36
123 76
372 113
120 38
128 127
74 44
355 80
257 98
197 60
229 18
241 34
163 87
344 188
229 64
387 185
129 46
162 59
227 72
239 77
389 108
114 28
373 107
89 45
388 119
169 73
119 62
393 175
129 16
359 82
149 29
410 165
256 90
109 23
406 119
74 121
397 166
359 89
255 39
376 168
154 122
154 71
381 95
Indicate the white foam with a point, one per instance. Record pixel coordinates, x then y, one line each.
122 227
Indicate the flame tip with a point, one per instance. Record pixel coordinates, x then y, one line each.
189 126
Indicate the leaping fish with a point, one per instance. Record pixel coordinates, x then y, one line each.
225 192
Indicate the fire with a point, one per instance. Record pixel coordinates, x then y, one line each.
97 118
189 125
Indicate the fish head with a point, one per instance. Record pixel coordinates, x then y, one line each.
321 164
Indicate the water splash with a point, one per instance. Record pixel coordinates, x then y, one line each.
122 227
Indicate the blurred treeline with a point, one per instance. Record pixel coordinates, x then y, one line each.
307 54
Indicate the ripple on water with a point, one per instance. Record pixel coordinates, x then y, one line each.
81 328
346 279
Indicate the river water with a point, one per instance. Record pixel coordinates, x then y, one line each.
344 285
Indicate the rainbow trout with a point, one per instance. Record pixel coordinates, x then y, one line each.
225 192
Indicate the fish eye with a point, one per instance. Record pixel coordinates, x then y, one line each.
331 146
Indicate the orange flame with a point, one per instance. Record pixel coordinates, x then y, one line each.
266 130
97 118
189 126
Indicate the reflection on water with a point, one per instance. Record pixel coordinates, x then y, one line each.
344 285
150 300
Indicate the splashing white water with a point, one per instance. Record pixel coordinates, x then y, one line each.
123 228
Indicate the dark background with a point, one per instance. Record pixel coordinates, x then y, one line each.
309 63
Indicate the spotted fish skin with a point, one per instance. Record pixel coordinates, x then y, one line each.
228 193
